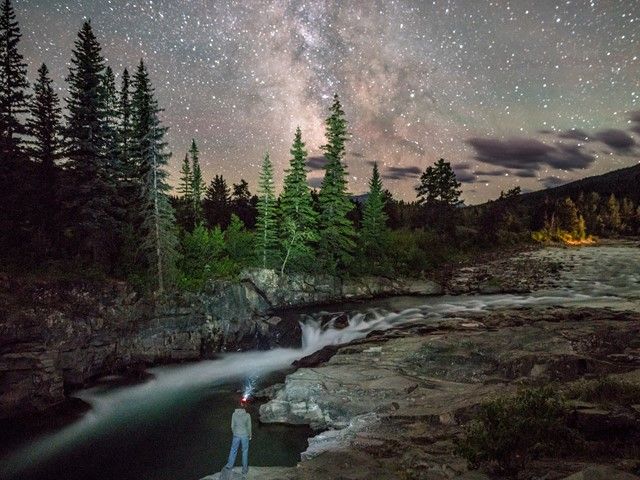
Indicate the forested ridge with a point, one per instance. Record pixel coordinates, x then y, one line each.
84 188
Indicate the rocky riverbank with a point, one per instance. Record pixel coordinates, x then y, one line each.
56 336
395 404
392 405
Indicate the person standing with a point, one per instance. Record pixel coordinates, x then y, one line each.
241 428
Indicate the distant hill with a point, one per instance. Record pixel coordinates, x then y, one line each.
622 183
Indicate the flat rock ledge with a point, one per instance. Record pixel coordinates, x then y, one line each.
391 406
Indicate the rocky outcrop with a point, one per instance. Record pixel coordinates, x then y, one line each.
60 335
522 273
395 402
296 290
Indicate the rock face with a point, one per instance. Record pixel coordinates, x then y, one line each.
57 335
395 402
301 289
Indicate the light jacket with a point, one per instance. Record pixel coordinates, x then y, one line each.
241 423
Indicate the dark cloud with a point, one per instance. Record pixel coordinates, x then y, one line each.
400 173
464 173
317 162
551 181
619 140
570 157
492 173
575 134
528 155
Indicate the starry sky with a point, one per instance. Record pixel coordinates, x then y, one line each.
510 92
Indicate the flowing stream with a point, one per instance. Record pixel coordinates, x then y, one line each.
175 425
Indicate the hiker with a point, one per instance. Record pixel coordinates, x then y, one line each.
241 428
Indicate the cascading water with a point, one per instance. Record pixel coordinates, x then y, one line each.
125 413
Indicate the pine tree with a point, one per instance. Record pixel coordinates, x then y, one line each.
89 198
243 204
44 121
125 131
336 231
439 195
44 127
158 233
197 183
298 218
439 186
111 116
217 203
13 85
567 215
374 219
613 218
185 188
266 224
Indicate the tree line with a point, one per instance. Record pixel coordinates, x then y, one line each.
87 187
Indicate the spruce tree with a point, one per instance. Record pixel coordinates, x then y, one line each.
266 224
298 228
186 181
439 186
44 121
13 85
439 194
158 233
197 183
111 114
374 219
125 132
184 204
336 231
217 203
45 148
90 196
243 204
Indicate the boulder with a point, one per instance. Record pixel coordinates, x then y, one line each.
287 333
317 358
600 424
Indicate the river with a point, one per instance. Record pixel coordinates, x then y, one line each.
175 425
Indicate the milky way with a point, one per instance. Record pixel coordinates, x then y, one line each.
511 93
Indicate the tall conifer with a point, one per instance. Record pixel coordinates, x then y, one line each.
297 216
13 86
374 219
45 148
336 231
158 233
125 129
197 182
90 196
266 224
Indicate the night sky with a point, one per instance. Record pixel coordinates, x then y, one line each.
529 93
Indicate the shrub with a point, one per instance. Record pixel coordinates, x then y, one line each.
203 257
605 391
509 431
